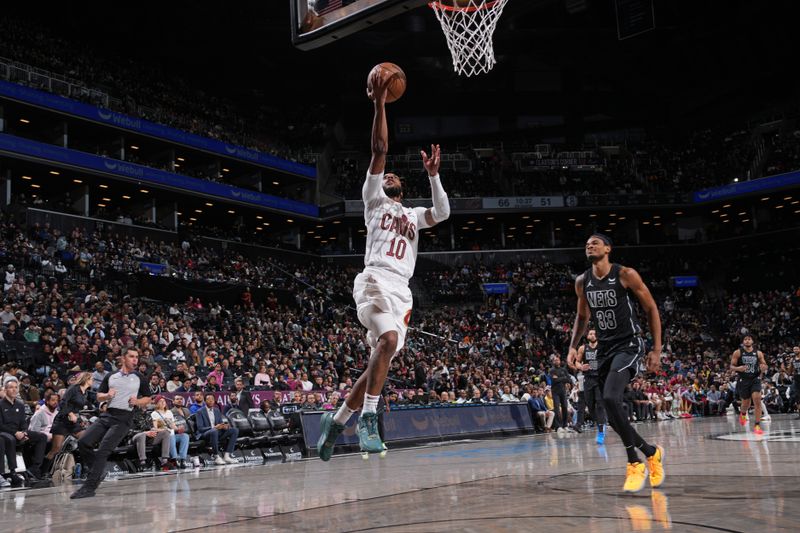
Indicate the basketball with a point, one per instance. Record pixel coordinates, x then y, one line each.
395 77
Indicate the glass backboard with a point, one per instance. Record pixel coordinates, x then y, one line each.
316 23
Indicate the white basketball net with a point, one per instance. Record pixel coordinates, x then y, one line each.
468 27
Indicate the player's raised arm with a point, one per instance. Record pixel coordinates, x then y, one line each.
376 91
633 281
581 319
441 205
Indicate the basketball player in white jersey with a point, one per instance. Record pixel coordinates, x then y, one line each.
381 291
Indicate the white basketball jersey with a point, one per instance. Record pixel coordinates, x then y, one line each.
392 230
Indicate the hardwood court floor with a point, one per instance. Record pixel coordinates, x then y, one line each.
739 482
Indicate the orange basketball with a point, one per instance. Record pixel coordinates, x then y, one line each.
394 76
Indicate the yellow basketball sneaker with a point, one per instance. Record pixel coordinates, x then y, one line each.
655 464
635 478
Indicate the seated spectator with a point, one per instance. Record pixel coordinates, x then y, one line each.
507 396
715 401
15 434
42 419
212 428
98 375
212 385
198 402
28 393
154 436
178 408
179 440
174 382
262 378
543 416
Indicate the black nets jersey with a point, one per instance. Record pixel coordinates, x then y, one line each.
612 310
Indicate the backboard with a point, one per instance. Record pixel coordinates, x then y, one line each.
316 23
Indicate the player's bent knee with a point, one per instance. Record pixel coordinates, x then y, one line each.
387 344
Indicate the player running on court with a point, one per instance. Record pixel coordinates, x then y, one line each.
585 361
749 363
381 292
604 294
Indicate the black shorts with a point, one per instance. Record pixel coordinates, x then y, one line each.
64 427
747 386
619 359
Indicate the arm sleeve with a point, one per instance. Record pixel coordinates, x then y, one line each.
441 205
104 385
372 191
144 388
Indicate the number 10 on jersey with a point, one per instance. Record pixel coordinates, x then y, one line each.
397 248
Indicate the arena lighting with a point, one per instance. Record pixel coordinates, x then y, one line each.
489 218
77 181
657 224
55 172
736 180
106 199
37 186
259 217
528 232
646 222
726 206
743 213
509 236
289 220
226 170
315 236
180 159
788 198
678 212
578 225
103 186
176 165
259 228
209 204
145 191
656 216
481 229
726 220
126 197
537 220
745 220
310 232
621 218
134 147
715 211
198 210
779 206
27 178
25 121
765 199
525 217
332 238
464 227
557 229
231 211
796 202
179 213
612 215
334 222
592 215
572 220
275 183
512 228
612 223
101 205
194 220
470 222
529 226
265 224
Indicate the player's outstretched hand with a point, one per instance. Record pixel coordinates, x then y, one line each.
654 361
432 163
377 86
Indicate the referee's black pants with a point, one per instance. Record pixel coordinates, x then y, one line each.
106 433
561 406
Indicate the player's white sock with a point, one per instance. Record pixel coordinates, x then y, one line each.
370 404
343 414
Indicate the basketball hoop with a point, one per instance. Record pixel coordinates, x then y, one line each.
468 26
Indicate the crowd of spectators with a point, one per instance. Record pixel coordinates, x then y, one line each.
141 90
705 158
493 348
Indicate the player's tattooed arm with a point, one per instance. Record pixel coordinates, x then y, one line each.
735 362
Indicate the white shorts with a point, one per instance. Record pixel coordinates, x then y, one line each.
383 302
